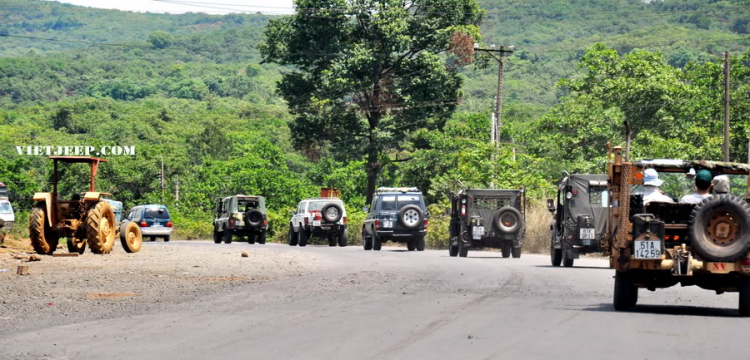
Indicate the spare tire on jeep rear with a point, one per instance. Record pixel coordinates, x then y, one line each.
410 216
720 228
332 212
509 220
253 217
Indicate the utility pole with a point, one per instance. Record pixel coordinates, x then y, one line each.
497 121
726 106
497 53
161 179
176 188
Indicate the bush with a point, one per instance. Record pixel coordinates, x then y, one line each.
537 236
438 232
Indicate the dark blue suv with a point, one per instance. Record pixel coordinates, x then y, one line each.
398 215
154 221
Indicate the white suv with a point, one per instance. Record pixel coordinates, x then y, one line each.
6 213
323 217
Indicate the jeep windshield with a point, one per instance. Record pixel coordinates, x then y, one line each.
396 202
5 208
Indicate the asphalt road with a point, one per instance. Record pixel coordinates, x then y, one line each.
395 304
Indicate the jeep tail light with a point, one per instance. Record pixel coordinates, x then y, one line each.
344 220
169 223
307 221
575 192
231 223
425 224
265 222
377 224
143 223
745 265
463 210
317 216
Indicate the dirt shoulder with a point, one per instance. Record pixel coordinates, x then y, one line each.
61 290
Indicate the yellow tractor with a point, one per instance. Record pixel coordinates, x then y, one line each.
87 218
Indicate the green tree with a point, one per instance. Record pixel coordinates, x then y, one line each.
161 39
368 72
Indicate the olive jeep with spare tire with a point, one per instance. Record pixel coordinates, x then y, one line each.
241 216
487 218
88 218
658 243
579 215
321 217
398 215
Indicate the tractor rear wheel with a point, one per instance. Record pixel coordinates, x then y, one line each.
131 238
100 228
43 239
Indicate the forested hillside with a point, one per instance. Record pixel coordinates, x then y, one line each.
191 90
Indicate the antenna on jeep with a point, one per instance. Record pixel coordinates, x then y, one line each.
460 183
627 141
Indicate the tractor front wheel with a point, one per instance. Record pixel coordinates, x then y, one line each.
43 239
76 245
100 228
131 237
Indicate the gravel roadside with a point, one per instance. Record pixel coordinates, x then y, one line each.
62 290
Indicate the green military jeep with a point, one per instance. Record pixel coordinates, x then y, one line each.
243 216
487 218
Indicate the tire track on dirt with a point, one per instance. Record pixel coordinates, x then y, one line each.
510 286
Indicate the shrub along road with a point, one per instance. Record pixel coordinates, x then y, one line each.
345 303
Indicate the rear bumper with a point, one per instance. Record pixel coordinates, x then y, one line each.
327 229
399 235
158 231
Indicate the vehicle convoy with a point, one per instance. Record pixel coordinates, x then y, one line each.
661 244
154 221
242 216
324 217
487 218
398 215
580 213
88 218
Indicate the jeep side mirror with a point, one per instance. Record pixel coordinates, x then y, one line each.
551 205
292 213
365 209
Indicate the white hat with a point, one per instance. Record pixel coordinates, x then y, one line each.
651 178
721 184
691 173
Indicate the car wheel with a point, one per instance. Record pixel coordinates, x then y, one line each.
366 241
420 243
332 241
293 238
452 250
262 238
411 244
166 239
303 236
554 254
227 236
744 290
152 238
344 238
516 252
567 262
626 295
506 251
217 237
376 241
463 249
251 238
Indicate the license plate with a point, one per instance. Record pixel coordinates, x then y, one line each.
156 225
647 249
316 223
325 227
477 232
588 234
387 223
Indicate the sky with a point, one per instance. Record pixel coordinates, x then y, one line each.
183 6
